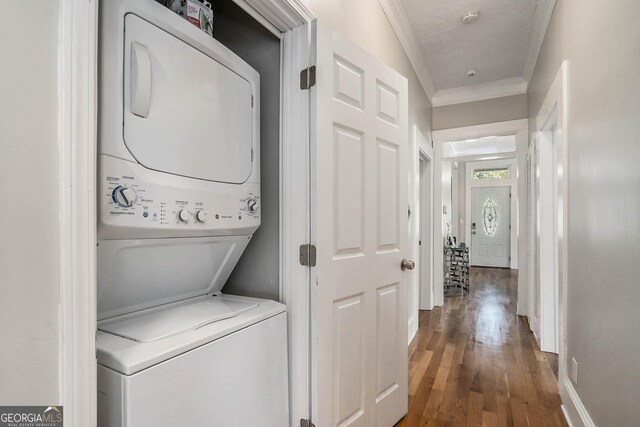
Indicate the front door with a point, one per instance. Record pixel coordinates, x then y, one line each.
490 226
359 151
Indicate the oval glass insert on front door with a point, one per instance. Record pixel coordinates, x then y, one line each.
490 216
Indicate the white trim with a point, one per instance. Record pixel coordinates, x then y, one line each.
574 410
418 147
284 15
552 117
540 24
414 227
401 26
426 303
512 183
251 11
510 127
77 175
479 92
295 217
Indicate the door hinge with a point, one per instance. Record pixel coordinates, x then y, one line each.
251 101
308 255
252 154
308 78
306 423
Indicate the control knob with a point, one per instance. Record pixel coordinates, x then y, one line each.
252 205
124 196
183 216
201 216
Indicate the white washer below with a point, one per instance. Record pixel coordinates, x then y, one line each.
207 361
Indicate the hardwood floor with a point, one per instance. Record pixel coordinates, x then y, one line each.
475 363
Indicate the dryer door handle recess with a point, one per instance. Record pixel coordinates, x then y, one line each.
140 79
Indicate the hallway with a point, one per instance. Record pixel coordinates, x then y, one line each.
473 362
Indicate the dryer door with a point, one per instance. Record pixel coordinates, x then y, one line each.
184 112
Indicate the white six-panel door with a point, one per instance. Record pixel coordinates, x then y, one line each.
359 137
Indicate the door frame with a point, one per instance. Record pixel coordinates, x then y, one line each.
552 117
425 294
78 53
420 150
512 183
77 120
519 128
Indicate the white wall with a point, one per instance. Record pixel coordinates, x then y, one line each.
601 42
29 222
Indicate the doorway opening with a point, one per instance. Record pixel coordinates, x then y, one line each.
547 215
483 156
548 241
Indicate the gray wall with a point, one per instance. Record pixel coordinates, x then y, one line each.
257 272
29 238
480 112
601 40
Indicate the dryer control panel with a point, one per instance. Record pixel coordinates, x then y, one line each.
135 202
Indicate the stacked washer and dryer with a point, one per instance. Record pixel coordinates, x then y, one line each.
178 202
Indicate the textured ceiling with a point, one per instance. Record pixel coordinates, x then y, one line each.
496 44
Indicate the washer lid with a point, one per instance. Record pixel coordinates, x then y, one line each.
161 323
134 275
185 113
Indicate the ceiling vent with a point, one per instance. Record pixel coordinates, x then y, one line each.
471 73
470 17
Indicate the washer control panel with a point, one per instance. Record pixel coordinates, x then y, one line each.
135 202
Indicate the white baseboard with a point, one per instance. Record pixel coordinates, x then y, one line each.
572 407
413 328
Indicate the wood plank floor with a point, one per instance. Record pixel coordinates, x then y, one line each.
475 363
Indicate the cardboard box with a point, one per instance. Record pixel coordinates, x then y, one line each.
197 12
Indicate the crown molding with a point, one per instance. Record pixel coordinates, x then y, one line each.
479 92
500 88
540 24
280 15
401 26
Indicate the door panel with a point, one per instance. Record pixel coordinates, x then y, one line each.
490 226
348 356
388 189
348 191
359 224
